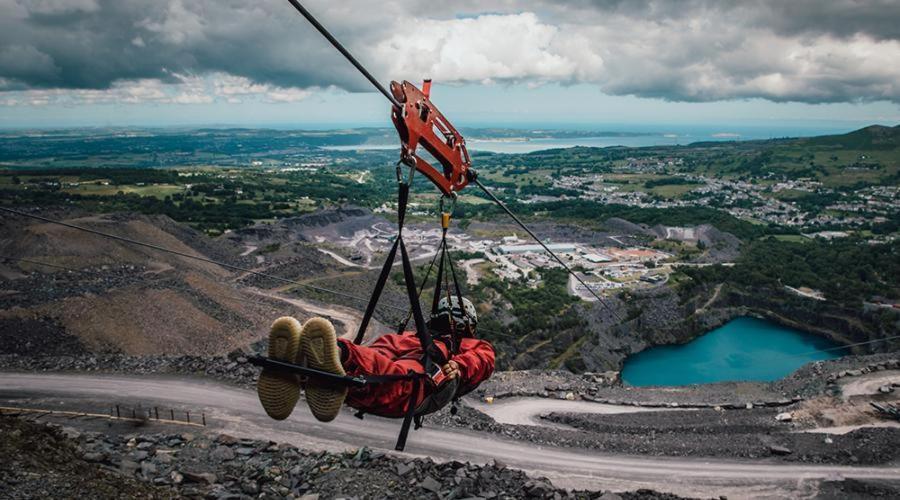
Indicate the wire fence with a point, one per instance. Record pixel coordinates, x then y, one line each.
134 414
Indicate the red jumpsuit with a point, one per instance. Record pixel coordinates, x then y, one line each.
397 355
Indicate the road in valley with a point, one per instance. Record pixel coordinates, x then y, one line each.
349 318
237 412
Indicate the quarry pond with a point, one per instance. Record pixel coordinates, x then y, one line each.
744 349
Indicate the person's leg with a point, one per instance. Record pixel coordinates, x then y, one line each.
278 391
387 399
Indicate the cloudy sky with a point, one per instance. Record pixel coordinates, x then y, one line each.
74 62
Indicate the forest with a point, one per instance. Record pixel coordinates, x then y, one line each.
846 270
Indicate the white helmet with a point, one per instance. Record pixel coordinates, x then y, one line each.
465 315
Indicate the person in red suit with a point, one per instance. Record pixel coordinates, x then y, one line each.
316 345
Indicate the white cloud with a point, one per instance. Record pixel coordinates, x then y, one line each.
188 90
287 95
699 50
486 48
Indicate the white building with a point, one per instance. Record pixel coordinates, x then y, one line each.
555 247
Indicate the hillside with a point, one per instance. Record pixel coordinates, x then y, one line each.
871 137
107 296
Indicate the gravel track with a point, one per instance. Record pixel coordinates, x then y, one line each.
237 412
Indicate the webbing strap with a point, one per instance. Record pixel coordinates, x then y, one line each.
410 414
402 326
421 327
408 277
379 287
459 299
440 275
402 200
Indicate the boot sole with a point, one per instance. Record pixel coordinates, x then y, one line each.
319 346
279 391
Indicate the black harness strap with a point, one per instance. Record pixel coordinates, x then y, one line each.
421 328
379 287
440 275
413 294
459 299
410 412
402 326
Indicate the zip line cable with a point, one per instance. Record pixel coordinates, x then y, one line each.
316 24
242 299
135 279
324 31
845 346
203 259
523 226
14 259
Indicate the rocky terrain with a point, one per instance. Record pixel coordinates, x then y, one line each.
733 419
41 461
65 291
661 316
109 297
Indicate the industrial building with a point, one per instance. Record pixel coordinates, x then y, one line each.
517 249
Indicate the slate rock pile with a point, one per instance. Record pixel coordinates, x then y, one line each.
225 467
234 367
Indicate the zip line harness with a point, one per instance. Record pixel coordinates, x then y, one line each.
418 122
443 391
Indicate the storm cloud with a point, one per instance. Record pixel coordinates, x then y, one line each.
201 50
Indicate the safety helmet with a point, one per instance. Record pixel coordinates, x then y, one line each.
466 314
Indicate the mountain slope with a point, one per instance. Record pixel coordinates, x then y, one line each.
110 296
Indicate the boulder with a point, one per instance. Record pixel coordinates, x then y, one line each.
538 489
226 439
199 477
430 484
784 417
222 453
403 469
779 450
148 469
94 456
129 467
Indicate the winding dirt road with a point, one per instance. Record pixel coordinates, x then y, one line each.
528 411
348 317
237 412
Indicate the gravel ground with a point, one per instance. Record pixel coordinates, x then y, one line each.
41 461
37 461
734 433
810 380
731 430
727 433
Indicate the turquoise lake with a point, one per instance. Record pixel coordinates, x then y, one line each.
742 349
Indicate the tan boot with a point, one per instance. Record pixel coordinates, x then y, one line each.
319 347
278 391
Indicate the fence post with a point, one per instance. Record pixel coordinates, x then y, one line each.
188 416
203 415
118 413
172 413
156 412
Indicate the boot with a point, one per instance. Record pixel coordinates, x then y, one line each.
278 391
319 347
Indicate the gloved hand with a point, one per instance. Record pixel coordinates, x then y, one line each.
451 369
